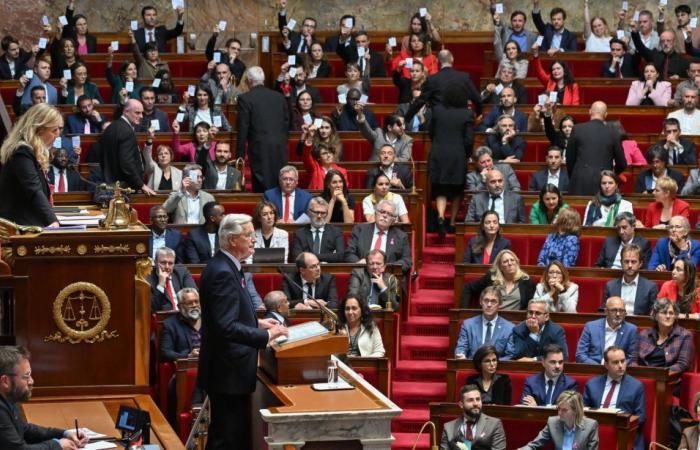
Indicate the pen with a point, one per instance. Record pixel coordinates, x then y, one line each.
77 433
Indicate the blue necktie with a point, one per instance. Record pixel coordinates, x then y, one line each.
550 391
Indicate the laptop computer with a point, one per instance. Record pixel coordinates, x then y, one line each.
269 255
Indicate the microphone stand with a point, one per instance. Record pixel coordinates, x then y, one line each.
413 174
323 309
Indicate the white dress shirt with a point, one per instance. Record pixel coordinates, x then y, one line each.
374 239
628 292
193 209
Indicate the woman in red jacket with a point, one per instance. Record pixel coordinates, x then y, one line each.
559 79
666 204
318 159
419 49
682 289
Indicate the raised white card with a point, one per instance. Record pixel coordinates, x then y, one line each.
636 16
625 6
663 2
539 41
348 23
217 121
319 122
129 85
363 98
67 75
217 57
155 124
29 74
180 45
156 82
222 25
291 23
499 89
44 20
307 119
62 20
553 96
423 12
392 41
541 99
292 60
342 99
134 25
178 4
360 52
266 44
115 46
409 62
694 22
190 90
180 117
43 42
57 143
292 72
75 141
620 34
499 8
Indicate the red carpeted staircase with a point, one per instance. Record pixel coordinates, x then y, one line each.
419 376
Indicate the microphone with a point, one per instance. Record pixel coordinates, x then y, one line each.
324 309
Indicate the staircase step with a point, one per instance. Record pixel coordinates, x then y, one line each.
433 240
417 394
424 347
421 370
439 255
437 276
404 441
410 420
431 302
426 326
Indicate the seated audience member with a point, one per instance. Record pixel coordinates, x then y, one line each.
516 33
505 78
267 235
691 435
559 79
161 235
680 150
692 81
486 329
319 237
555 287
167 279
671 63
229 54
488 243
544 388
506 107
692 184
602 210
346 28
203 109
639 293
531 337
162 175
151 113
63 55
515 286
611 252
277 307
374 284
657 157
346 117
553 174
647 33
315 284
85 120
562 244
600 334
186 204
682 290
42 73
623 64
120 82
685 38
15 60
297 83
221 174
509 205
380 235
152 32
166 92
546 209
358 51
649 90
421 25
480 430
419 49
409 86
633 155
296 42
381 192
148 62
392 134
201 150
355 320
400 176
290 201
495 387
678 245
688 116
325 133
62 177
570 425
222 84
556 36
78 86
354 79
340 203
506 144
595 33
558 137
301 112
666 344
319 159
203 241
484 163
666 204
181 337
317 63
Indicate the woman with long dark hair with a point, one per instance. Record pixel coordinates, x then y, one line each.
341 205
302 112
421 24
488 243
510 52
496 388
355 320
649 90
200 150
683 289
127 73
546 209
203 109
78 85
166 92
557 289
559 79
419 50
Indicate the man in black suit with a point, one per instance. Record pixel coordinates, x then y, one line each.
147 94
231 337
316 285
220 174
399 174
150 32
556 37
350 53
293 41
166 280
14 61
380 235
277 307
198 246
553 174
161 235
299 85
432 89
16 385
61 176
319 237
611 253
121 158
86 119
531 336
670 63
639 293
592 147
374 283
263 124
680 149
344 36
621 64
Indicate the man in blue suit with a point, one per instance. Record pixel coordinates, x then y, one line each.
600 334
544 388
162 236
618 390
531 336
291 202
486 328
639 293
556 36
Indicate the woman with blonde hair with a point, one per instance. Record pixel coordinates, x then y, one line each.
557 289
162 174
25 192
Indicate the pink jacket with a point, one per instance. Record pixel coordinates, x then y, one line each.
660 96
633 155
185 152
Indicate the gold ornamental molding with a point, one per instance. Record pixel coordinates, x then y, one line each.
53 250
144 266
121 248
81 312
140 248
81 249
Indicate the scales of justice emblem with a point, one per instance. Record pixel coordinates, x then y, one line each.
81 312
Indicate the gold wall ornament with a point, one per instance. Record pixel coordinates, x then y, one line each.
121 248
144 266
53 250
81 249
81 312
21 250
140 247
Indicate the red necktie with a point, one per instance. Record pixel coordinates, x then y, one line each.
378 242
618 73
286 207
608 398
62 181
170 293
470 432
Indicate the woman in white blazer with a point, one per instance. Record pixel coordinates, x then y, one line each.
162 176
267 235
364 338
555 287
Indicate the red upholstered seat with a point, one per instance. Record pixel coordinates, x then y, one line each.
690 385
184 418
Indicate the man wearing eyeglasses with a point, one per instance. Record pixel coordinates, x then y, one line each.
486 328
531 336
600 334
16 385
319 237
291 201
315 285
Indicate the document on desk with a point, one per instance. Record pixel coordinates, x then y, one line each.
303 331
99 445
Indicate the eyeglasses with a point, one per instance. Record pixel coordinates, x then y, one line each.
26 377
319 213
489 301
535 313
617 311
382 212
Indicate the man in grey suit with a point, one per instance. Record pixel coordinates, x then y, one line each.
611 253
484 163
220 174
516 31
638 293
486 328
482 431
319 237
373 283
187 204
509 205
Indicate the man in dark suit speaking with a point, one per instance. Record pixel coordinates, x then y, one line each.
231 336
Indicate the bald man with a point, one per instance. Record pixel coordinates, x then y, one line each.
593 147
121 158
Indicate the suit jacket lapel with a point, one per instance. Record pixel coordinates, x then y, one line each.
368 238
